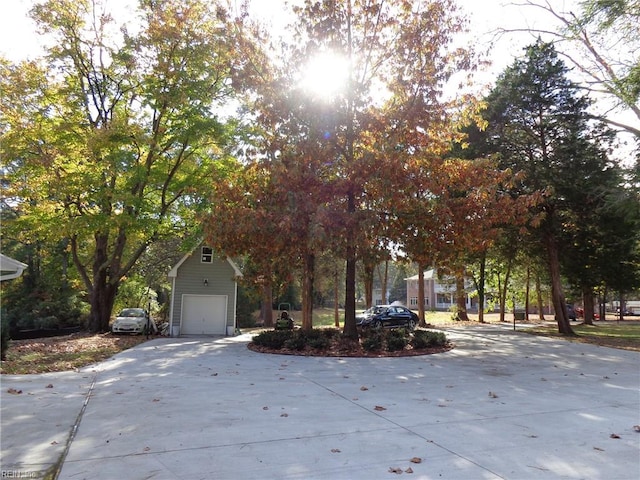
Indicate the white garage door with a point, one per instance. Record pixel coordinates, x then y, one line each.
204 315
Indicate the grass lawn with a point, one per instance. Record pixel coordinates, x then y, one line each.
625 334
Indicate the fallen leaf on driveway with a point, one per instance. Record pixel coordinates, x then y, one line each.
614 435
636 428
335 450
493 395
284 414
363 388
13 391
265 408
49 386
146 449
416 460
378 408
395 470
409 470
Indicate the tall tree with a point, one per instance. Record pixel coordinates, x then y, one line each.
395 58
121 131
539 123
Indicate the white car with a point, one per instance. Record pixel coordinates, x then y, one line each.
133 320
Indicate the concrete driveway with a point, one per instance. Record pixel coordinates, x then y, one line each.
501 405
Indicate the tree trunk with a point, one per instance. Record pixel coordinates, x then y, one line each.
504 290
369 271
461 297
622 307
480 286
587 302
526 294
384 280
539 298
103 296
421 320
307 290
103 286
336 299
557 294
350 329
266 309
501 299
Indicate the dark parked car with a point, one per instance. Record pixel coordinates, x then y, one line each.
387 316
571 312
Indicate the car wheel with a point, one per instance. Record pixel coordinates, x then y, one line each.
377 324
412 324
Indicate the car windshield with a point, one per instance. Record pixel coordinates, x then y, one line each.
375 310
131 312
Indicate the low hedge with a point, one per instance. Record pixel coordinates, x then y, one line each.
370 340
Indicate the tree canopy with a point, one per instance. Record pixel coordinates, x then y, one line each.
112 139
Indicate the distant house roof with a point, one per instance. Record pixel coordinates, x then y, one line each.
10 268
427 275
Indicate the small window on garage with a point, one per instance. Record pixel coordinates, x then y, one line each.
207 255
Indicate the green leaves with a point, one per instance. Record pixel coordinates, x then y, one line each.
117 147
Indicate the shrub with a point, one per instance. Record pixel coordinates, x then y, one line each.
297 341
397 340
273 338
4 338
320 338
372 341
428 338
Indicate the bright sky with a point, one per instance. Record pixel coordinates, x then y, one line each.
18 39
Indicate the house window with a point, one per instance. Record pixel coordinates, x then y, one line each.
207 255
413 301
444 299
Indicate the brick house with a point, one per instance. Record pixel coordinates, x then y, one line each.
439 293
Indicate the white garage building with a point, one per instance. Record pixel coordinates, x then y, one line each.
203 294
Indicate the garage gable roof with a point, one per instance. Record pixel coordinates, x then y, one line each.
10 268
173 273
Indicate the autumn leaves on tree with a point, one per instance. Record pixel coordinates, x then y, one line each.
368 166
353 136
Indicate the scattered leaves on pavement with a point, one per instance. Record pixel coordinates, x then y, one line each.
378 408
13 391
